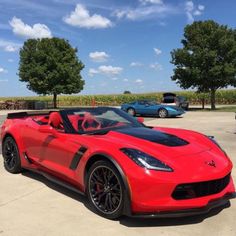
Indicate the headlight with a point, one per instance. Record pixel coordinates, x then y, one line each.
146 161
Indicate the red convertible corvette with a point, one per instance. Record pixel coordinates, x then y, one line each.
121 165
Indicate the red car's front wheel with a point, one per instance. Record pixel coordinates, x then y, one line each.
105 189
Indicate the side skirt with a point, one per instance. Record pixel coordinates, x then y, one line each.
58 181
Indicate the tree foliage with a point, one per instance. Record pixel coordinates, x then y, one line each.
50 66
207 60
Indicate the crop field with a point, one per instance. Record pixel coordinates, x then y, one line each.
223 97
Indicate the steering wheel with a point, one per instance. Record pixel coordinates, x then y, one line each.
90 123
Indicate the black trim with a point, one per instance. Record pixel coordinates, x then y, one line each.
77 157
189 212
17 115
58 181
200 189
27 158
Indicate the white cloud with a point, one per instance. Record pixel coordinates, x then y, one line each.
36 31
144 12
114 78
110 70
191 10
144 2
125 80
189 6
92 72
157 51
138 81
81 17
156 66
9 46
197 13
201 7
98 56
2 70
189 17
136 64
106 70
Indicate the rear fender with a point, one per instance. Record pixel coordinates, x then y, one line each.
15 134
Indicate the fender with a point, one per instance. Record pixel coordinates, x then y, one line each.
127 198
19 142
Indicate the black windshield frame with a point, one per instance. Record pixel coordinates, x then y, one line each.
70 129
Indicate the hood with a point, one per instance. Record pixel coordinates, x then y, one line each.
180 149
156 142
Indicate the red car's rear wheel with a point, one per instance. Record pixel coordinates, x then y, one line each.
11 156
105 189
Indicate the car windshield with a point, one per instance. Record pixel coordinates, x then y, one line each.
98 120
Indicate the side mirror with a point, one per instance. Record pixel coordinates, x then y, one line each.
140 119
47 129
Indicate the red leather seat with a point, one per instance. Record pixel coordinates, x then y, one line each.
55 120
76 121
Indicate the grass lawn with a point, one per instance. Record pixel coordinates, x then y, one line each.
221 108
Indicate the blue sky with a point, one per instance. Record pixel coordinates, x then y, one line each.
124 44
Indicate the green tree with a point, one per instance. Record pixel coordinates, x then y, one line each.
50 66
127 92
207 61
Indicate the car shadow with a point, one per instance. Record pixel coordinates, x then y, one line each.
56 187
125 220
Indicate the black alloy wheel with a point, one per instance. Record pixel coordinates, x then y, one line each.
105 189
11 156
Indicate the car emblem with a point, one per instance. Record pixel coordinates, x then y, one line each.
211 163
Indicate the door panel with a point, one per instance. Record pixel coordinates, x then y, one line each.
48 152
57 153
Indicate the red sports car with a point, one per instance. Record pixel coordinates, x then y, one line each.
121 165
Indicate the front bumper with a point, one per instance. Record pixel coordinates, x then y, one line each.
153 195
175 113
191 211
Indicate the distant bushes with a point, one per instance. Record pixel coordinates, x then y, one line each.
222 97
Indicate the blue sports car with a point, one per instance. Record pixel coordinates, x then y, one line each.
146 107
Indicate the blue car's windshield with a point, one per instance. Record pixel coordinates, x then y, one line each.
98 119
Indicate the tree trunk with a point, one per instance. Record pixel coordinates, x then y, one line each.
213 99
54 100
203 103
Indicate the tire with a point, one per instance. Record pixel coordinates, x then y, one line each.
131 111
105 190
11 157
162 113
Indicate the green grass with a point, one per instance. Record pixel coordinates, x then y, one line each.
228 109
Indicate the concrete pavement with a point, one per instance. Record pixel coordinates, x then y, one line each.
31 205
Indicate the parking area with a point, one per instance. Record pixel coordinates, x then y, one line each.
32 205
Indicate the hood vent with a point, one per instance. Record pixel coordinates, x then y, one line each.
154 136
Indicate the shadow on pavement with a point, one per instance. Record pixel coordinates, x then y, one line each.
67 192
124 220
